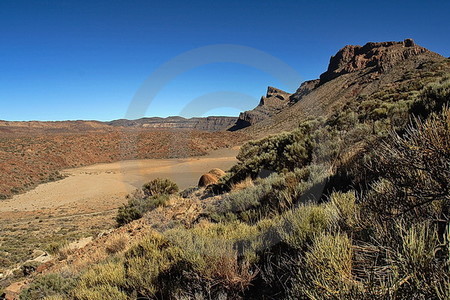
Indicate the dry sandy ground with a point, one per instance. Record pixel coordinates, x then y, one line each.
103 186
85 203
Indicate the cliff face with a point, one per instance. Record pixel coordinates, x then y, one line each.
206 124
352 71
274 101
378 57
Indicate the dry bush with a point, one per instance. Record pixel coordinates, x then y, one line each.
246 183
415 169
116 243
65 251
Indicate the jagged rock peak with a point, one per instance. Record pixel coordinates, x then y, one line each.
274 97
272 91
379 56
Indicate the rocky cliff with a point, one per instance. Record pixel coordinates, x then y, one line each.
269 105
354 71
206 124
377 57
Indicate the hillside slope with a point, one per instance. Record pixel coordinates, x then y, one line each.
355 73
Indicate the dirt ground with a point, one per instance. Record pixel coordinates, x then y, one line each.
85 202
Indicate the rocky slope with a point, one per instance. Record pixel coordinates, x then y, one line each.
353 73
269 105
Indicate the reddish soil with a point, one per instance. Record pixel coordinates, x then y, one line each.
30 156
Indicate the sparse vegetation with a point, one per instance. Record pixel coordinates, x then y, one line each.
152 194
48 286
352 206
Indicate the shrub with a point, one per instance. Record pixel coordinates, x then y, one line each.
102 292
327 270
432 98
159 186
146 261
152 194
274 153
298 226
137 206
343 210
417 270
275 194
54 247
48 285
102 281
217 256
415 169
110 273
116 243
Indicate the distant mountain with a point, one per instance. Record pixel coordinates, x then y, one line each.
210 124
204 124
354 72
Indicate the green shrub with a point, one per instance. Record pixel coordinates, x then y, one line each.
275 194
152 194
146 262
418 271
218 255
285 151
54 247
102 292
326 270
159 186
432 98
111 273
138 206
298 226
48 285
344 210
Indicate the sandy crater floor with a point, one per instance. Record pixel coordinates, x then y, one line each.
103 187
86 201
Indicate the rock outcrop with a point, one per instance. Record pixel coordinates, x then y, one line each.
274 101
379 57
304 89
353 71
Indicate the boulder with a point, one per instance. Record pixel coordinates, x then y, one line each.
217 172
207 179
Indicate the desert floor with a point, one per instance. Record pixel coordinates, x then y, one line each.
85 202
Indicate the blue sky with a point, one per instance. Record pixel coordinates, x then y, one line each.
62 60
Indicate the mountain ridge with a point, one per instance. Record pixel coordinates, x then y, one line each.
353 71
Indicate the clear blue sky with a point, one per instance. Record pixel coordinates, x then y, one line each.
63 59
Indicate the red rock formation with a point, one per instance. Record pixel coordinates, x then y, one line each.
379 57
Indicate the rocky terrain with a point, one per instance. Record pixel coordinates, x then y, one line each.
354 72
269 105
356 206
